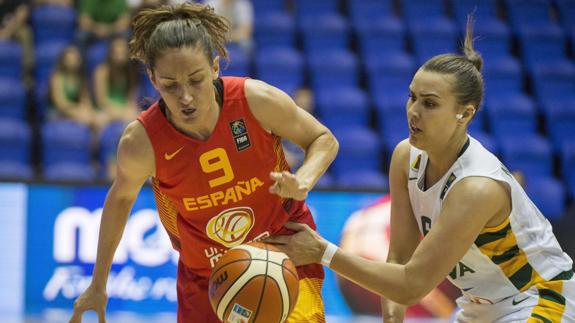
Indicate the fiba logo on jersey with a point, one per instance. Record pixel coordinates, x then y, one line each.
231 227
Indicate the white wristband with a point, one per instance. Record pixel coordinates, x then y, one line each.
328 254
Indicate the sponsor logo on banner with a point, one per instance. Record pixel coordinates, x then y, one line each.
231 227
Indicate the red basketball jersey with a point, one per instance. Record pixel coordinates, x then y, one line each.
212 195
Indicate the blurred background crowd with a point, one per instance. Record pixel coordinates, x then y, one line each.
68 87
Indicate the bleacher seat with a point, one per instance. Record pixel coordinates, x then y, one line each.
541 44
70 171
414 10
554 81
567 158
16 171
381 35
274 30
548 194
560 121
109 139
432 36
324 32
363 179
389 77
369 10
359 148
53 23
310 9
10 60
528 12
346 107
492 39
15 141
96 55
512 115
502 77
482 10
281 67
392 121
46 55
333 69
239 64
12 99
264 7
326 181
529 154
65 141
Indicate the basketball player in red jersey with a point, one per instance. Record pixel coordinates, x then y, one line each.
213 149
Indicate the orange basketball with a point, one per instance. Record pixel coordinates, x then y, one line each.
253 283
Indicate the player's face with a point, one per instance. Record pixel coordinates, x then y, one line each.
184 77
431 110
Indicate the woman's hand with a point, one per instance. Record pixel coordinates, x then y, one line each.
288 185
303 247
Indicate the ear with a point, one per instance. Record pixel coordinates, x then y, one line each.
216 68
152 78
468 112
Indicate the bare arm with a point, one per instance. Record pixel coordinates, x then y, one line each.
135 164
277 113
465 213
405 235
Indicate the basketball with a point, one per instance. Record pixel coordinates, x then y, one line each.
253 283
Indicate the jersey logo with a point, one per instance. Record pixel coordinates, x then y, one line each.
514 302
240 134
416 163
448 183
172 155
231 227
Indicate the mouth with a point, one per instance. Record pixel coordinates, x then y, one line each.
413 129
188 111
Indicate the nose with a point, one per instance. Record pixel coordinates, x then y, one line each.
185 96
412 112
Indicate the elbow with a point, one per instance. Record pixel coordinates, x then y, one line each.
415 287
333 144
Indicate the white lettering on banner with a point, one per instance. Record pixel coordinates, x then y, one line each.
145 241
70 282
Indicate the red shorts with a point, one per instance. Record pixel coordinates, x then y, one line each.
194 303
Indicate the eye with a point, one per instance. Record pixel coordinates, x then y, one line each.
411 96
170 87
196 82
429 104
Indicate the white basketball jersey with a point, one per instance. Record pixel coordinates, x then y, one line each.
504 260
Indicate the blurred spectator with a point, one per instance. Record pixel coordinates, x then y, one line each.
304 99
137 5
240 13
101 20
55 2
116 83
13 26
69 92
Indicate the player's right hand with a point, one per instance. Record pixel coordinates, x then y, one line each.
92 299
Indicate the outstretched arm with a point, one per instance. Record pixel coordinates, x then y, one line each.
278 113
467 209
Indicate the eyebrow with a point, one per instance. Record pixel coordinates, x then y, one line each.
171 78
427 94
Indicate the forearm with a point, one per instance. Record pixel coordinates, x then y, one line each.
385 279
114 218
318 156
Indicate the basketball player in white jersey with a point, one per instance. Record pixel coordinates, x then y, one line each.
480 229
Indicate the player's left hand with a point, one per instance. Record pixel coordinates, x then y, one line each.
288 185
303 247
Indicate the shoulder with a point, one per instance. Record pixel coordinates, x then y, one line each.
401 155
260 93
135 144
480 192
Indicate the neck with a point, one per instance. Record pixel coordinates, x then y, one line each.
443 157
